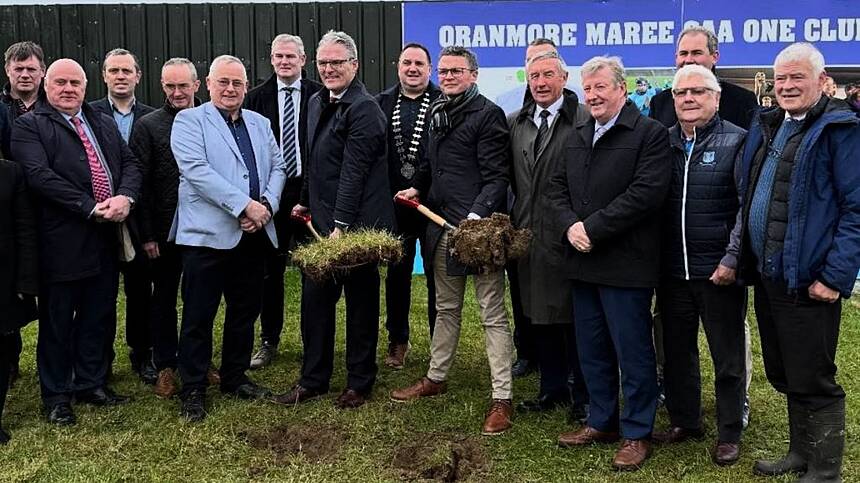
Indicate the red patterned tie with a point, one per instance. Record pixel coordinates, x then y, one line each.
101 186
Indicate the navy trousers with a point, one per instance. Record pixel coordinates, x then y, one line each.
613 330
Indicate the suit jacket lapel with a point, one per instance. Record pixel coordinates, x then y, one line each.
214 117
258 145
314 109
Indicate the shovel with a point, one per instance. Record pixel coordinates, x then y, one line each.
414 203
306 219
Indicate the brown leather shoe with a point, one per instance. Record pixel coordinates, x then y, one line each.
297 395
726 454
349 399
165 385
498 418
423 388
396 357
676 434
213 377
586 435
631 455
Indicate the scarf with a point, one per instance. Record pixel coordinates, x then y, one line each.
446 112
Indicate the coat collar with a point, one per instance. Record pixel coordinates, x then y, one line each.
216 119
568 106
627 119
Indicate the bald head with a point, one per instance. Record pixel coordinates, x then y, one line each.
65 85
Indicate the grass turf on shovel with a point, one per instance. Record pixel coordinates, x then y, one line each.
329 257
485 244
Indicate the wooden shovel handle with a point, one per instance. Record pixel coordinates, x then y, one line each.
414 203
306 219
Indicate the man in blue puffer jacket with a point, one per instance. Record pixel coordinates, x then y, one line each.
800 185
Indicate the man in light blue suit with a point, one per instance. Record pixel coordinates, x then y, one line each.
231 177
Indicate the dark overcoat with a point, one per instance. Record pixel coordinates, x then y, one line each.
544 290
616 188
19 270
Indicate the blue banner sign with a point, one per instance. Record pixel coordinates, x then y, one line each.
643 33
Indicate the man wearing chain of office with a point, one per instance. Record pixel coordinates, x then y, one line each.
406 106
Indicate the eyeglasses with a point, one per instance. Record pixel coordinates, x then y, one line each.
225 83
334 64
695 91
176 87
455 72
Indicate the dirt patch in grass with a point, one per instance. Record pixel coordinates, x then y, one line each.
315 443
441 457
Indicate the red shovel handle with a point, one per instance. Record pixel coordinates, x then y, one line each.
414 203
306 219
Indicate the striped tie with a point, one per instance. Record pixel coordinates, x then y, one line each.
288 134
101 185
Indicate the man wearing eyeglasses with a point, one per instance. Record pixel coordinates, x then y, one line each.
121 74
345 188
407 107
150 142
699 262
466 177
283 99
231 179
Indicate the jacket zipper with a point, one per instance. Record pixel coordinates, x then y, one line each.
687 156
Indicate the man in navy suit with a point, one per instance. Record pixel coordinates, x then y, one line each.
231 178
283 99
121 73
86 180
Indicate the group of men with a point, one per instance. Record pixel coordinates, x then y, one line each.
686 201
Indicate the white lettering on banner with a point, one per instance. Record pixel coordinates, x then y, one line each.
629 33
510 35
755 30
820 30
769 30
725 34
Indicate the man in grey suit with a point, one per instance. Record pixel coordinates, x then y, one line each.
231 177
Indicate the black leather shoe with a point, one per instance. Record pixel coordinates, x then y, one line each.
102 396
147 372
194 406
543 403
297 395
250 390
4 437
577 414
61 414
523 367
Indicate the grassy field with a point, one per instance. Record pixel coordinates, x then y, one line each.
382 441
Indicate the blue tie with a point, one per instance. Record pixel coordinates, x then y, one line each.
288 134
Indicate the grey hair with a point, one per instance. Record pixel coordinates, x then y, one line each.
286 39
458 51
342 38
713 42
182 61
550 54
801 52
227 59
695 70
121 52
614 64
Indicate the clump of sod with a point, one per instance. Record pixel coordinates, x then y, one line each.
327 258
487 244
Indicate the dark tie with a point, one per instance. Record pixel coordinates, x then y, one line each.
101 185
288 134
542 130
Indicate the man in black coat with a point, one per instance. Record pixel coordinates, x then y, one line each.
86 181
25 69
407 108
150 142
539 136
466 177
289 124
346 187
607 195
19 269
698 45
699 262
121 73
